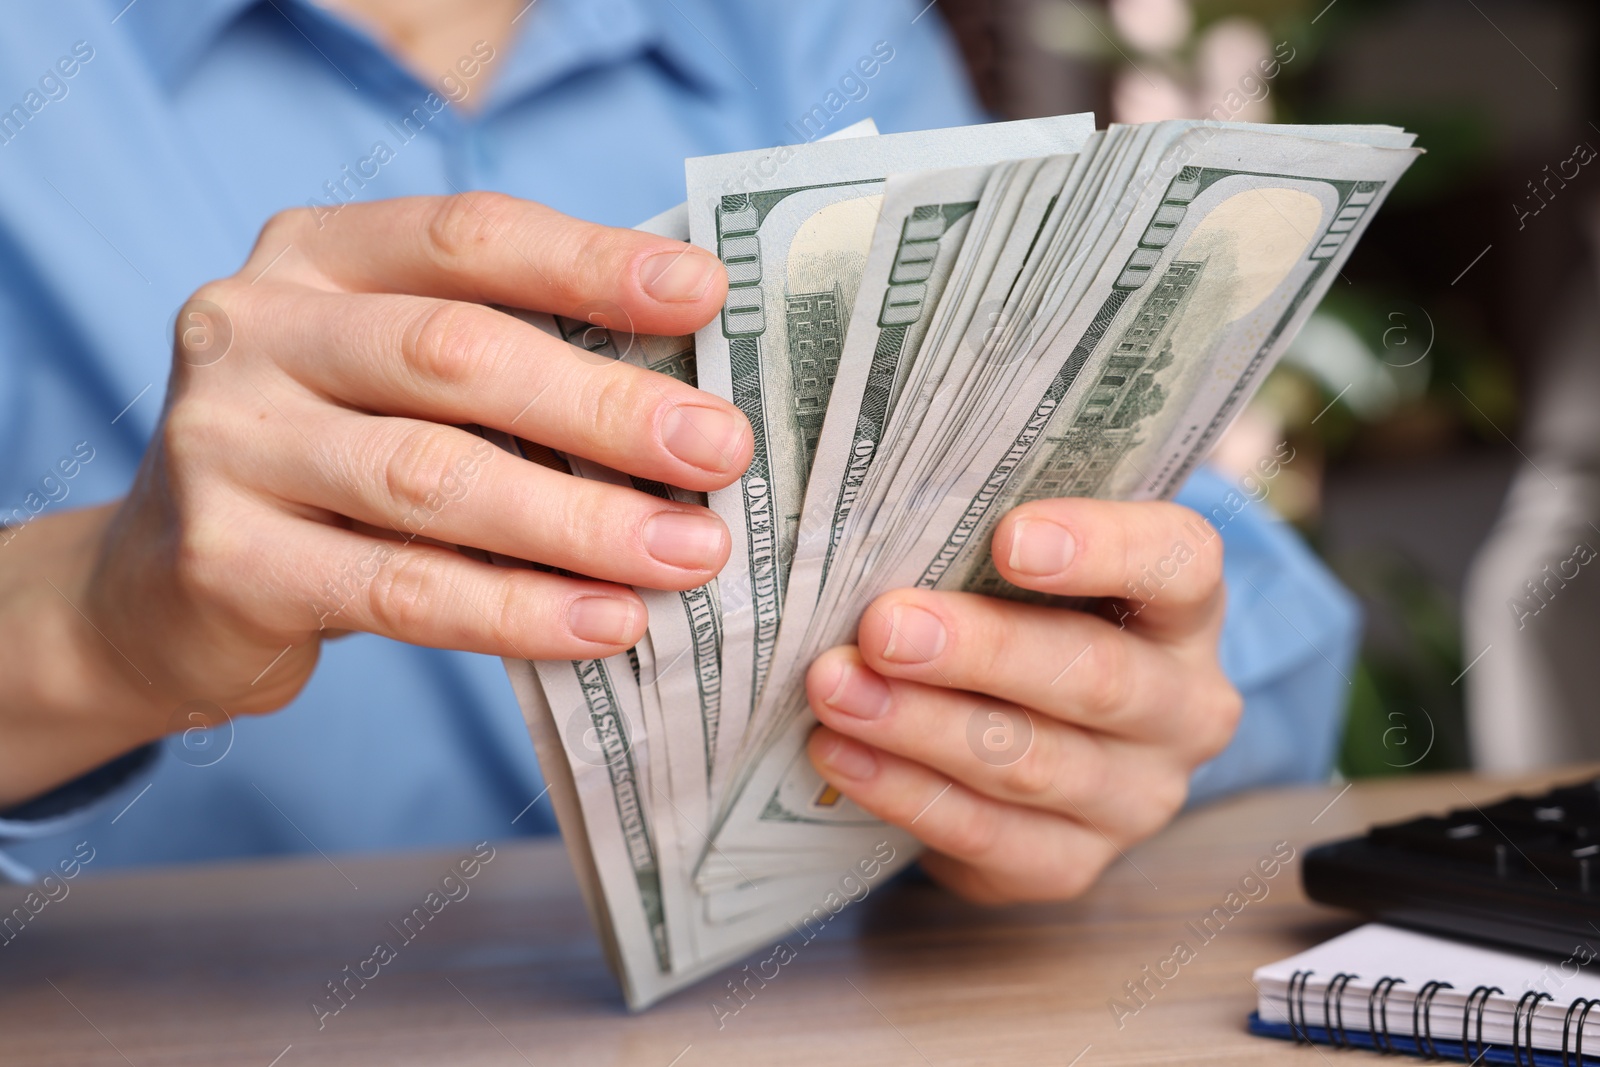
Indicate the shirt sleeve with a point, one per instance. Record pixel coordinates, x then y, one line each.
1289 644
68 805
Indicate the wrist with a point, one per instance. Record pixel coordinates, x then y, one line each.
74 701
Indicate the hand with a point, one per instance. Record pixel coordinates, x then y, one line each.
306 474
1026 745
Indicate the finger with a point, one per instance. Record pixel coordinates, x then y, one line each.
320 576
421 479
1023 854
1000 750
447 361
1163 560
496 249
1074 667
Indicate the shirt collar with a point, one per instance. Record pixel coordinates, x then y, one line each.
695 42
173 34
555 39
558 39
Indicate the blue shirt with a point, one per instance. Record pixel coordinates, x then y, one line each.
143 145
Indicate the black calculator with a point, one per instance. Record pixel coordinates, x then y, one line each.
1523 872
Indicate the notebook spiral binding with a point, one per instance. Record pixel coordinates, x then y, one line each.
1479 996
1422 1019
1424 1032
1297 992
1582 1007
1378 1010
1530 1000
1335 1010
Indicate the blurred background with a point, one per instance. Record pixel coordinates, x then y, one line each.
1412 400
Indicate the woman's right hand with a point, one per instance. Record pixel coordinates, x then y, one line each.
309 456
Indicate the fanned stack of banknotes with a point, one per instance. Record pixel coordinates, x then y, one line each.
925 330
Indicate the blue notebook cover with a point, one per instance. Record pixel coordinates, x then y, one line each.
1446 1049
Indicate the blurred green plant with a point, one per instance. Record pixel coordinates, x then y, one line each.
1406 712
1436 381
1398 361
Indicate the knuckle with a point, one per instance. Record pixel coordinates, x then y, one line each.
222 292
189 437
1220 713
586 514
1105 688
203 328
1077 873
448 345
1087 781
405 592
1159 800
985 649
414 471
283 226
205 558
1167 797
1158 795
1033 776
619 408
518 608
1091 771
461 225
973 834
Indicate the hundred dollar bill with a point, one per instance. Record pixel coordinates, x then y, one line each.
1219 249
933 226
917 257
686 627
793 226
590 713
1010 312
789 910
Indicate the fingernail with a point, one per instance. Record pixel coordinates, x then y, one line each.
915 636
860 693
605 620
707 438
677 277
687 539
1040 548
851 759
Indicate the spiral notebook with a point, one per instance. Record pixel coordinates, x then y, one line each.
1394 990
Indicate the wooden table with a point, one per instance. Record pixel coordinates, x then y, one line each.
219 964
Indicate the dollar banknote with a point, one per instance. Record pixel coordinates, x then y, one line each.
1198 271
793 226
925 331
